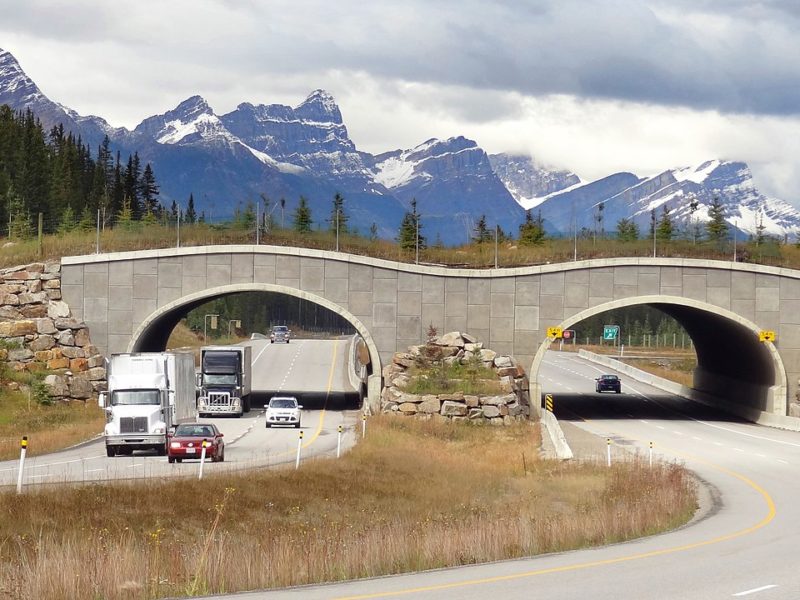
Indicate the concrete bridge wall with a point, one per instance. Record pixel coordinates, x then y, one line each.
131 300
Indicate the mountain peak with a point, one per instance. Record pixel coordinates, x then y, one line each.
319 106
194 105
15 86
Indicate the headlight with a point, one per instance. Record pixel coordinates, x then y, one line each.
160 428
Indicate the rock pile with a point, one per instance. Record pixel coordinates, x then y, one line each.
38 333
513 403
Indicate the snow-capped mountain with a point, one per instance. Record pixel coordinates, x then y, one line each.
625 195
273 151
527 181
454 185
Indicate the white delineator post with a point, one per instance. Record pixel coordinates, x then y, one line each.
202 459
299 448
608 452
23 448
651 454
339 443
363 426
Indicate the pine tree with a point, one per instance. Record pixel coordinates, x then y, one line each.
125 217
410 234
67 222
338 216
302 217
481 232
627 230
531 232
373 232
148 189
665 228
716 227
191 214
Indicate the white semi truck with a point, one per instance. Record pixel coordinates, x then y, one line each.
148 394
225 380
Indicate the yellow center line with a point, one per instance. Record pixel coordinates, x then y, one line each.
313 438
597 563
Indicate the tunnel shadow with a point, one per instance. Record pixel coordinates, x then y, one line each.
312 400
590 407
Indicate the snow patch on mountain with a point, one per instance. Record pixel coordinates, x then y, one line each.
696 174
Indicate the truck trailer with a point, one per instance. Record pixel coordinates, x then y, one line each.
225 373
148 394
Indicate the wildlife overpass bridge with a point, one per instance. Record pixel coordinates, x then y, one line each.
132 300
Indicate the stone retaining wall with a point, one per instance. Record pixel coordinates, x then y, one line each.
513 403
37 332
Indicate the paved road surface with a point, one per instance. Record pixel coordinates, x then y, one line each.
745 546
315 369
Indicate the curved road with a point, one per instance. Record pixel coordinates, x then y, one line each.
743 547
314 369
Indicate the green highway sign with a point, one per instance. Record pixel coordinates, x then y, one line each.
610 332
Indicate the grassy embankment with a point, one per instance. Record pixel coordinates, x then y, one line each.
472 255
413 495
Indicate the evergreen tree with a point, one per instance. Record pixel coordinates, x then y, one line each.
410 235
531 232
338 209
665 228
302 217
124 219
627 230
373 232
148 189
173 213
131 185
481 232
716 227
191 214
67 222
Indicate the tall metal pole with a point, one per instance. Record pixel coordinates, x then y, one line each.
337 228
97 242
574 233
654 239
179 228
734 240
496 227
258 222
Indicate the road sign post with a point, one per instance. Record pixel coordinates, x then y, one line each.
548 402
23 448
299 447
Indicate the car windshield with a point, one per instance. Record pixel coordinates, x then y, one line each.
190 430
283 403
280 329
134 397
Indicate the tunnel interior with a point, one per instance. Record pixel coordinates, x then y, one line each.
303 314
733 366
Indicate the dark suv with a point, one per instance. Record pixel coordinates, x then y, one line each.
279 333
608 383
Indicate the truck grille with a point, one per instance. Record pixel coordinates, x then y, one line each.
133 425
219 398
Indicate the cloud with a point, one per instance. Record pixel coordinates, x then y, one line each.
589 85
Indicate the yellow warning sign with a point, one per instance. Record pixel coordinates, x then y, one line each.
766 336
554 332
548 402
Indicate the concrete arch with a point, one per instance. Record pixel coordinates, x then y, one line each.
154 330
751 373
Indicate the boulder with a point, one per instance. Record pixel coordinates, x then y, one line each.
58 310
502 362
65 338
45 326
487 355
490 412
82 337
68 323
408 408
9 299
17 328
430 404
96 373
475 414
58 363
472 401
43 342
36 298
51 284
453 338
35 286
476 347
78 365
453 409
73 352
19 355
57 385
34 311
81 388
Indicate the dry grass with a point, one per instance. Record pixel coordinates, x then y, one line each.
413 495
473 256
49 428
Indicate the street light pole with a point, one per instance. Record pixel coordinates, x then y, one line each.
337 228
416 239
495 245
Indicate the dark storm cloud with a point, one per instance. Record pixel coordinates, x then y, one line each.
736 56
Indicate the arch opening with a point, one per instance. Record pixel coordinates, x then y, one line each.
155 330
735 371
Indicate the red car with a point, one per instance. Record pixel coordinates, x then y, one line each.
187 442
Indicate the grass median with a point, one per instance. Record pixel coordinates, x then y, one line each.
412 495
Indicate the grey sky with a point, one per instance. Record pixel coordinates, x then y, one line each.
595 86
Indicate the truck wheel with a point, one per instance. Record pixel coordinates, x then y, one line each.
162 450
111 451
179 460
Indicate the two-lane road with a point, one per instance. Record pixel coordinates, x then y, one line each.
315 369
744 545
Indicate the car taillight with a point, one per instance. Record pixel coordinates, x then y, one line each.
175 445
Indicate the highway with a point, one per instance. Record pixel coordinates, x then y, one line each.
313 369
743 543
